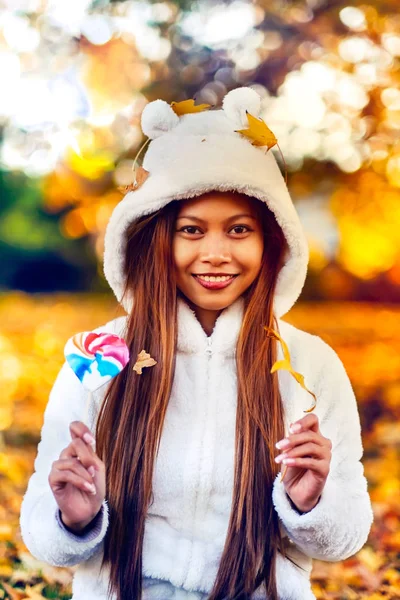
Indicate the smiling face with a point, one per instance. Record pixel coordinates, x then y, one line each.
216 234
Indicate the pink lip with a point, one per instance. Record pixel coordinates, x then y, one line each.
214 285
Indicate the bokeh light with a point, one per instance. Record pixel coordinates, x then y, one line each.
76 77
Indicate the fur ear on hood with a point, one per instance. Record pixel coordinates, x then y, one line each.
158 118
238 101
198 152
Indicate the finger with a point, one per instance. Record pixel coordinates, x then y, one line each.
81 452
87 455
78 429
73 464
309 421
77 447
321 467
303 451
71 477
300 438
84 453
66 453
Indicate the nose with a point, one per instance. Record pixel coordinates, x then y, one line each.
215 250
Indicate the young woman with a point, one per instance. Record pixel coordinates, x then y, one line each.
181 493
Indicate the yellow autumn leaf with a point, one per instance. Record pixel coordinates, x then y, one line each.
188 106
281 364
272 333
259 132
143 360
285 364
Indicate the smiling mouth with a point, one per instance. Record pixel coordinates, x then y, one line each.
214 283
214 278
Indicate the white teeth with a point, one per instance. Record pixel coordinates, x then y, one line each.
219 278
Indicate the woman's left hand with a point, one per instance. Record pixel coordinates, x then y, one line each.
307 453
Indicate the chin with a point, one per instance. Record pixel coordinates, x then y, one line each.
214 303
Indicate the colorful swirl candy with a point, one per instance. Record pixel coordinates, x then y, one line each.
95 358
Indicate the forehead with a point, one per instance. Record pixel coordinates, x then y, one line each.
218 202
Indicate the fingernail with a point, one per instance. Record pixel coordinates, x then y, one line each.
295 428
91 470
90 487
278 458
88 438
282 443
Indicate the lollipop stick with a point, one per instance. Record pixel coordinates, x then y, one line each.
88 400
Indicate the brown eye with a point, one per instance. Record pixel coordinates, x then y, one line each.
188 227
240 227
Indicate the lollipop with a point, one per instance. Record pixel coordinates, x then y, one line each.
95 358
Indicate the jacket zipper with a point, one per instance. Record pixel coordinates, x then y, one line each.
209 352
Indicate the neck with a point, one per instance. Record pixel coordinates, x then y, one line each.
194 336
206 318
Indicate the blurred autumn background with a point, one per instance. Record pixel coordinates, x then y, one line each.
75 77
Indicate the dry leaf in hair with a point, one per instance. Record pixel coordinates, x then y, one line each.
140 177
258 132
143 360
188 106
285 364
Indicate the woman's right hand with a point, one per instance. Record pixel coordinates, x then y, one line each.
69 476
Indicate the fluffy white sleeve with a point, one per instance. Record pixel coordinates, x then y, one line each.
40 528
338 526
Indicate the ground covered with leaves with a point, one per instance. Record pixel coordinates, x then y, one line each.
367 338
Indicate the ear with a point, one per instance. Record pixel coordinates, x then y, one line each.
158 118
238 101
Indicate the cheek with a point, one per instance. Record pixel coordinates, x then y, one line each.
181 254
253 255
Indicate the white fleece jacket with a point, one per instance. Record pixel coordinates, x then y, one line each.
187 523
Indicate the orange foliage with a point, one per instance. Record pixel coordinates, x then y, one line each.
366 337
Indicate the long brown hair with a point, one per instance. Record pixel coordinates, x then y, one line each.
131 418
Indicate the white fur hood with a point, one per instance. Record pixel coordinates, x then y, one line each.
187 523
193 154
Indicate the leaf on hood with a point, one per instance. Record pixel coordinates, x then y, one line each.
188 106
143 360
140 177
258 132
285 365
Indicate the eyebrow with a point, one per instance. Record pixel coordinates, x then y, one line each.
226 221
